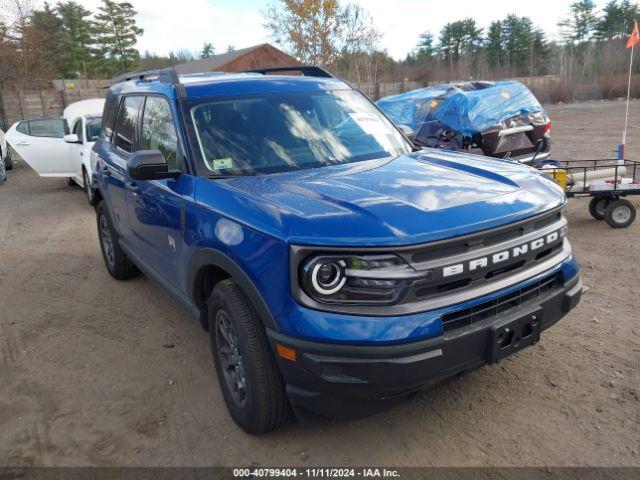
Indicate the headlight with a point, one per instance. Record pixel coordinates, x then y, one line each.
361 279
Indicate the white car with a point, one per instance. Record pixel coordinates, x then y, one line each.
48 147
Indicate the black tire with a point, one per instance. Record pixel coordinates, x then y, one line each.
234 327
620 213
597 207
89 192
8 163
117 263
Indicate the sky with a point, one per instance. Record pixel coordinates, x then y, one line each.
188 24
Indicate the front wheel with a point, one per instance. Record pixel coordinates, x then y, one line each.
8 163
249 378
88 190
620 213
116 261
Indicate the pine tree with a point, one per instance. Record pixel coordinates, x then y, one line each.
494 44
426 49
460 38
47 41
581 24
117 35
617 20
78 57
207 50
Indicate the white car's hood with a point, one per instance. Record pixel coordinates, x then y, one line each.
93 106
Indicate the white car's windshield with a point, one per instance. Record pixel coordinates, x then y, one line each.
281 132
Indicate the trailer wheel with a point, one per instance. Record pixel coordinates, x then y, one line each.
620 213
597 207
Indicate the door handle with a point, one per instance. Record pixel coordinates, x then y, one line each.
132 187
22 144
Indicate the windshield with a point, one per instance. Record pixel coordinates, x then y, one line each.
93 128
292 131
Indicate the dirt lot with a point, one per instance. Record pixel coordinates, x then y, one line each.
99 372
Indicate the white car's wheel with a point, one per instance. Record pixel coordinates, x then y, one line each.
88 189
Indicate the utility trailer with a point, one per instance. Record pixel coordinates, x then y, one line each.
607 181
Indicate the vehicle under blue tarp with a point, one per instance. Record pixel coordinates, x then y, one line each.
467 108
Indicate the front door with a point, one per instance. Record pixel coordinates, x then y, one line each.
157 207
40 143
112 160
77 150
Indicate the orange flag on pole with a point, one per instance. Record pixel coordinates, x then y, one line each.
634 39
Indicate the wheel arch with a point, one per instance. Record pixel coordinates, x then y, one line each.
207 268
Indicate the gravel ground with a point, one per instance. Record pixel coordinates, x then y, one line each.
99 372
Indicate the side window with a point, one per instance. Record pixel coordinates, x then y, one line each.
23 127
159 131
77 129
109 115
44 127
126 123
93 129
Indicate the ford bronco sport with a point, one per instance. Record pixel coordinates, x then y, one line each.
337 267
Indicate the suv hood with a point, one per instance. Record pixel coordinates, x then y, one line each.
421 197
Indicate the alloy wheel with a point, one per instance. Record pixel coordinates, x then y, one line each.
230 359
105 238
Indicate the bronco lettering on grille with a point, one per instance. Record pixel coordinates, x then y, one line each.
502 256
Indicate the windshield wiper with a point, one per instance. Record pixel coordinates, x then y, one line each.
226 175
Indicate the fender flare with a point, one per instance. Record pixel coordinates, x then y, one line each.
210 257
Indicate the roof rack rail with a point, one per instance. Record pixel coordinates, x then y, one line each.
305 70
166 75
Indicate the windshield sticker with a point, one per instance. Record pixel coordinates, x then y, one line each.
369 123
222 163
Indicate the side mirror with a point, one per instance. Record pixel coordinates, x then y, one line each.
149 165
408 132
71 138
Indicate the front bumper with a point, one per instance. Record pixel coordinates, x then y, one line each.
351 381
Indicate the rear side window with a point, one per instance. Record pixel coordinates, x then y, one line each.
126 123
23 127
44 127
159 131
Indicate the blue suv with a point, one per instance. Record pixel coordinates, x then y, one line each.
337 267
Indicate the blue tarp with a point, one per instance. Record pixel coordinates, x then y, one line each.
467 108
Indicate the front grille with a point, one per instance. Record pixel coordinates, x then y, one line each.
430 289
446 248
497 306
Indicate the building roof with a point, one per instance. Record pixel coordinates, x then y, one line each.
217 62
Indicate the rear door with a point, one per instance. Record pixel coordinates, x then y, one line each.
39 142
